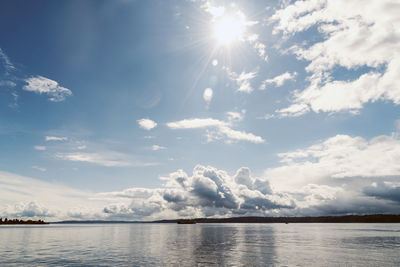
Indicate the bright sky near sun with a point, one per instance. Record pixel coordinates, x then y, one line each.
164 109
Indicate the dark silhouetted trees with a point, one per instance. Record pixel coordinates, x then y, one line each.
17 221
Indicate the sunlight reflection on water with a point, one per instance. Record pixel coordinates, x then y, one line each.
201 245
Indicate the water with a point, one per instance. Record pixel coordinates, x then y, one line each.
201 245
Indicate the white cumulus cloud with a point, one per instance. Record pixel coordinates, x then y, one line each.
355 35
42 85
147 124
338 157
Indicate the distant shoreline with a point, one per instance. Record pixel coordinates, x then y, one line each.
375 218
17 222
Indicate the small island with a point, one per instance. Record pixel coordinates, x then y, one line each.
17 221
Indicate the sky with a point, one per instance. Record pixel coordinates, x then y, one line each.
145 110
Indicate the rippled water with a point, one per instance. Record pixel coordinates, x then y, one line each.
201 245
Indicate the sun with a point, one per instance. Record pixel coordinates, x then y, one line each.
229 29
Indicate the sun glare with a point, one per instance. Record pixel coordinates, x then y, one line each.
229 29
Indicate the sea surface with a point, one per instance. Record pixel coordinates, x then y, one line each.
200 245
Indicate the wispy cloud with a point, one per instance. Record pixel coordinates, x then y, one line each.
196 123
107 159
260 47
25 197
147 124
242 80
40 148
240 135
42 85
7 62
55 138
220 129
236 116
157 147
278 80
39 168
8 79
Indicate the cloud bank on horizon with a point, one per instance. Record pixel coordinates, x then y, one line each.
247 109
340 175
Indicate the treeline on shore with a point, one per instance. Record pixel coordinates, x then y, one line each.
375 218
17 221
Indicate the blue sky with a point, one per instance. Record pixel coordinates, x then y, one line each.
263 107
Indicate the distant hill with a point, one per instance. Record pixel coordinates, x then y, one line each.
374 218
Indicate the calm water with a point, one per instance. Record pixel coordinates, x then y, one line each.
201 245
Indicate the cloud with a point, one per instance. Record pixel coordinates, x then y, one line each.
10 76
355 36
278 80
294 110
207 192
9 66
40 148
337 176
29 210
338 158
196 123
236 116
260 47
42 85
107 159
147 124
24 197
8 79
384 190
39 168
340 175
9 84
240 135
55 138
157 147
242 80
267 116
215 11
217 129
